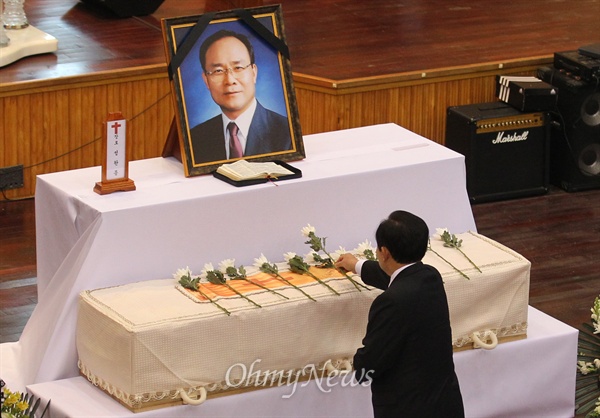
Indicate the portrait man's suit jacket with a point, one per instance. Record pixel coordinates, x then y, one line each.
408 345
269 132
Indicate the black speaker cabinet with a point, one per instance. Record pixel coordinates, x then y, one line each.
506 151
575 133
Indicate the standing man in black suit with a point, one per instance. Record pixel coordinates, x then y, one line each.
407 349
244 127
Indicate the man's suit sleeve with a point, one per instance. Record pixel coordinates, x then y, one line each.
373 275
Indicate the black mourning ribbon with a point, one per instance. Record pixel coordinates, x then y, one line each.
188 42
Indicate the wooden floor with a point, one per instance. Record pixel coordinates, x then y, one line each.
337 40
18 291
557 232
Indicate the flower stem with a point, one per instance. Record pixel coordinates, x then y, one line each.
478 269
452 241
298 266
240 294
266 288
293 285
449 263
212 301
354 282
322 282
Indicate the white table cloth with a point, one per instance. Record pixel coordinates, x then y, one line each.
534 377
351 180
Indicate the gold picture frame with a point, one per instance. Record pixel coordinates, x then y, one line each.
247 66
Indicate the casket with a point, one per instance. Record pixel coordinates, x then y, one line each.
154 343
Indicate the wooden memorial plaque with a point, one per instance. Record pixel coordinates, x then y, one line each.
115 164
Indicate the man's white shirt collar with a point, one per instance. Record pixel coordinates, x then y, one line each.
360 263
243 123
397 272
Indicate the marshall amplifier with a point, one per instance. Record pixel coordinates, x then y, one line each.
506 151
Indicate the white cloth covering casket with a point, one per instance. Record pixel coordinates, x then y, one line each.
146 343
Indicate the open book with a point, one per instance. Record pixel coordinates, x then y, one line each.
244 170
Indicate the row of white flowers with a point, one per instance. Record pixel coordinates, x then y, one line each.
319 256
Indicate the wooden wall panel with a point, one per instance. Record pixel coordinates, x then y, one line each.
323 120
60 127
418 106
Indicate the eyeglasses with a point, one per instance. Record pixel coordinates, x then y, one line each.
220 73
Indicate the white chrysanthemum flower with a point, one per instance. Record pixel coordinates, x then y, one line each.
597 409
597 363
225 264
182 273
310 258
338 253
258 262
307 230
364 246
583 367
207 267
596 328
440 231
288 256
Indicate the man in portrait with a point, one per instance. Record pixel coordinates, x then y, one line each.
244 126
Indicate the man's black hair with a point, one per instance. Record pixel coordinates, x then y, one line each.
405 235
220 35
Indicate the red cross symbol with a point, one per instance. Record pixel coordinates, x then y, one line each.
116 125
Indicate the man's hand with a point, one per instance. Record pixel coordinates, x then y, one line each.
347 262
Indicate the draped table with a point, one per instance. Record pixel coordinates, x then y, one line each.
351 180
534 377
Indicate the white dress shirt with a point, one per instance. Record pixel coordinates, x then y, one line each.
360 263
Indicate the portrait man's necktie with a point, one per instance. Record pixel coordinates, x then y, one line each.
235 147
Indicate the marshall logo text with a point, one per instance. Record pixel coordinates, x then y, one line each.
501 138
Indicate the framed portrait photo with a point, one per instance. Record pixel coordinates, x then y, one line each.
232 87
